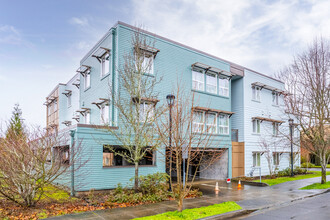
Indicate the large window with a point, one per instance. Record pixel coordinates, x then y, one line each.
256 159
146 111
223 86
104 113
256 126
105 64
112 157
276 158
61 154
69 100
275 98
223 124
211 123
198 121
87 79
256 93
198 80
211 83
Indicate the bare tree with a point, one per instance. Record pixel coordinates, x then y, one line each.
27 165
308 85
136 102
189 146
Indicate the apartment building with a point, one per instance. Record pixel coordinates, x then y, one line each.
220 88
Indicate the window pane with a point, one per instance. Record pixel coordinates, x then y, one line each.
211 83
198 80
223 86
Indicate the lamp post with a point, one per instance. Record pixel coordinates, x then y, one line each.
291 126
170 101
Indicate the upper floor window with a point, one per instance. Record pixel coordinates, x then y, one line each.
104 113
87 79
69 96
87 117
55 105
148 63
223 124
256 93
211 123
198 80
146 111
105 64
275 98
223 86
198 121
256 126
211 83
275 128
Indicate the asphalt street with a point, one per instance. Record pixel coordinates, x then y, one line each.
315 208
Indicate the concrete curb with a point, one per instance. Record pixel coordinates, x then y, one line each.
229 215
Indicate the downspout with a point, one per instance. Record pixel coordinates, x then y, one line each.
114 50
72 133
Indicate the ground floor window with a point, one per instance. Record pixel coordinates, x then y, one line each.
113 156
276 158
256 159
61 153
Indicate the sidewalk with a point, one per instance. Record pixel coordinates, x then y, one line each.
249 197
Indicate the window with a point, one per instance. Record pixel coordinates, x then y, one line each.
223 124
256 159
146 112
275 128
87 117
69 100
104 112
198 80
105 64
276 158
87 79
61 154
148 63
211 123
275 98
198 121
112 157
211 83
223 86
55 105
50 108
256 93
256 126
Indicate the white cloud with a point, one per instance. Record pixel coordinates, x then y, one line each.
79 21
262 35
10 35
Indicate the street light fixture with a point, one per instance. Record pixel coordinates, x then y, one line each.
291 127
170 101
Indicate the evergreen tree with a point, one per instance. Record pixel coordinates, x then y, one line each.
15 127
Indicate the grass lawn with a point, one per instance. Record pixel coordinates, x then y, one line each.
196 213
286 179
317 186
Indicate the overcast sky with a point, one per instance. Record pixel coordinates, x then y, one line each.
41 42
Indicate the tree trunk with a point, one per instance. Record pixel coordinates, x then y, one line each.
136 182
180 203
324 175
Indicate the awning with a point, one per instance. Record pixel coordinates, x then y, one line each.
76 83
83 70
67 92
143 99
100 101
198 108
66 123
149 49
213 69
76 117
82 111
268 119
100 52
49 100
271 88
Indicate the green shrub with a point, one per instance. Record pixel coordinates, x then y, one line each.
287 171
307 164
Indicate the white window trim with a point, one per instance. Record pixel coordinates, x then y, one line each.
276 159
103 115
198 81
255 161
257 122
214 124
223 87
105 65
69 100
276 128
276 100
87 76
256 93
198 124
87 120
225 127
208 84
142 116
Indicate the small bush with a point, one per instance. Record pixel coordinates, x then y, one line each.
307 164
287 171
